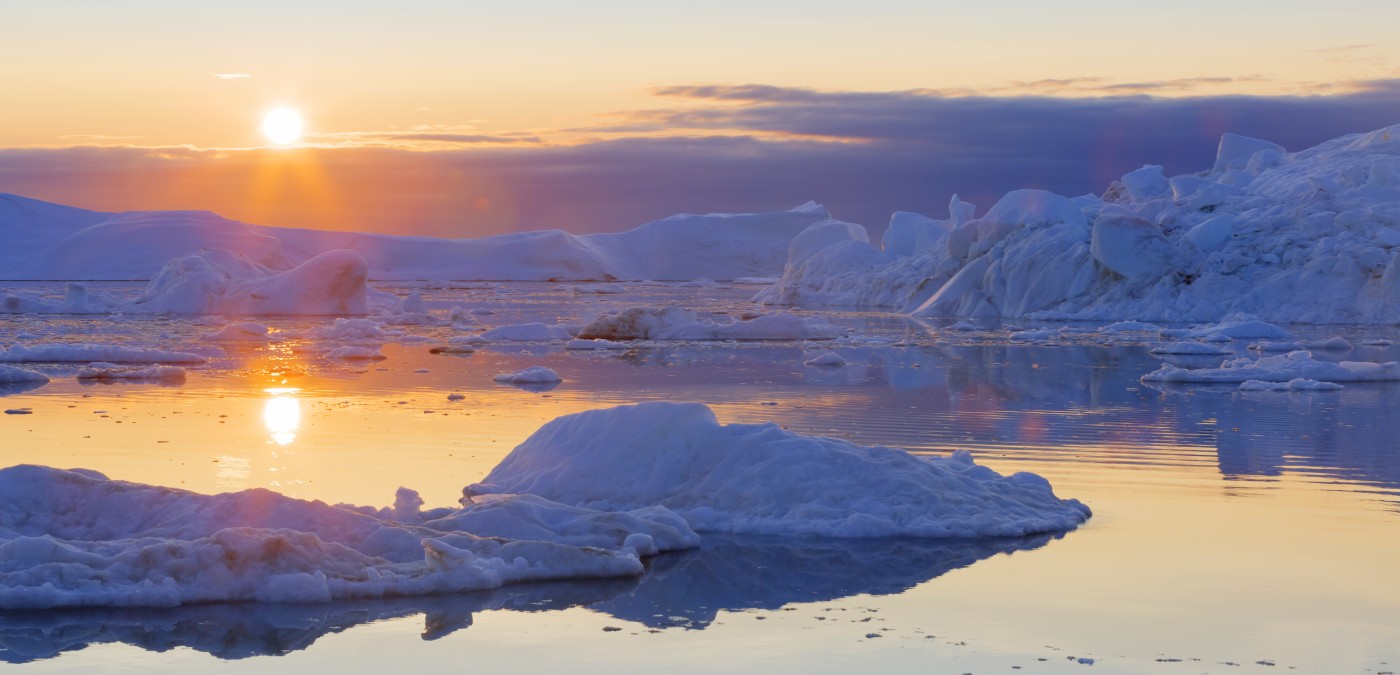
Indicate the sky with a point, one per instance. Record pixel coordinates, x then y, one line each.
475 118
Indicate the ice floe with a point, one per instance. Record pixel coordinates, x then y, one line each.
761 479
77 538
88 353
1280 368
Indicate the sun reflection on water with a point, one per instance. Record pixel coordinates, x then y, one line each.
282 415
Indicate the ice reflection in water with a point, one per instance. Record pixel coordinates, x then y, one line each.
682 590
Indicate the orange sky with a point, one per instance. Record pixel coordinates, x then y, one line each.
86 72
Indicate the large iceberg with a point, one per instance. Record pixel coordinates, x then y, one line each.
49 241
761 479
1305 237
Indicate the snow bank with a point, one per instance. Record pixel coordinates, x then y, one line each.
111 371
88 353
50 241
1305 237
761 479
1280 368
77 538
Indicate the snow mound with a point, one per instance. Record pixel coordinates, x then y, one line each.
531 375
1280 368
111 371
527 332
761 479
1304 237
76 538
14 375
88 353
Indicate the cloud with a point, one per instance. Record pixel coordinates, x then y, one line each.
720 149
232 76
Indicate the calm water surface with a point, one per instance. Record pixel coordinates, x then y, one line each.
1233 532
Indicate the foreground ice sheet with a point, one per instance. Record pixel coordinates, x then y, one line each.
761 479
77 538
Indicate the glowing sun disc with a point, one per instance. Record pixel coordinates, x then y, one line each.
282 126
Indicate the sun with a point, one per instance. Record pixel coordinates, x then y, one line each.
282 126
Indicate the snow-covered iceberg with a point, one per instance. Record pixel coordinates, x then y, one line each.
1305 237
761 479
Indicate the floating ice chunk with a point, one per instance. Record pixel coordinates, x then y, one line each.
595 344
761 479
755 281
356 353
222 282
347 329
600 289
776 326
964 326
1035 334
1130 327
76 538
15 375
1239 327
88 353
1281 368
527 332
243 331
531 375
1190 349
636 323
111 371
1297 384
827 360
